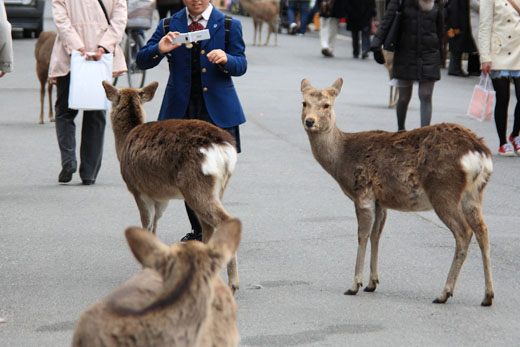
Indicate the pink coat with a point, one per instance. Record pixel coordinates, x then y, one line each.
82 23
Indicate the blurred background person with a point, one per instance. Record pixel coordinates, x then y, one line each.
418 53
331 11
359 15
294 7
84 30
499 47
460 39
6 43
168 6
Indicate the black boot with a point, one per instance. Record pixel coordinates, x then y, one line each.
455 69
196 229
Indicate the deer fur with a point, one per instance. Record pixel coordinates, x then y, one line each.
42 53
444 167
389 65
178 299
172 159
262 11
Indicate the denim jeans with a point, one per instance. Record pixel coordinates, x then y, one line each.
303 8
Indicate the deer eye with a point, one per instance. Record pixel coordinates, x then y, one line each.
304 104
326 106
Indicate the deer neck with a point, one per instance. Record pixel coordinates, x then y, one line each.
327 147
124 119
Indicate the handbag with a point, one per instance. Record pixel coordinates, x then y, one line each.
392 36
86 91
482 101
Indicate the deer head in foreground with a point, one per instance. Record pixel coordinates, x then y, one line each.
263 11
444 167
172 159
178 299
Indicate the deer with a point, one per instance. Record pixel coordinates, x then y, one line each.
42 53
389 65
177 299
263 11
172 159
444 167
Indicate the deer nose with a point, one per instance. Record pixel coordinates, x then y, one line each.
309 122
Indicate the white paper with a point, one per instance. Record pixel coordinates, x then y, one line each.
86 91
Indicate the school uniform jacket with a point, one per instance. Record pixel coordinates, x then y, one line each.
499 34
218 90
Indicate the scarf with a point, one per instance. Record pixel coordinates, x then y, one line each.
425 5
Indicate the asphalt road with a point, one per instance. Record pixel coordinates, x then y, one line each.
62 246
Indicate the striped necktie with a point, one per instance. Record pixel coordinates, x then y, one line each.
195 25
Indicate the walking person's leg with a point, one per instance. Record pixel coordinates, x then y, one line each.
365 42
501 86
355 43
324 36
425 97
291 16
401 108
92 139
304 10
514 136
333 33
65 130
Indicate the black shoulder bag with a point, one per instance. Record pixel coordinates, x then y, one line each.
392 37
104 11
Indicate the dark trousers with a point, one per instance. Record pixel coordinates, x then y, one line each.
197 110
92 134
365 41
164 9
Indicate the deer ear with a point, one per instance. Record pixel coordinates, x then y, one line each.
147 248
111 92
146 93
225 240
335 89
305 85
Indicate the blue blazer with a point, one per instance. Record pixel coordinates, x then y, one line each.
220 95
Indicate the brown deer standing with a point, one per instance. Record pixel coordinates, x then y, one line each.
172 159
178 299
444 167
389 65
263 11
42 53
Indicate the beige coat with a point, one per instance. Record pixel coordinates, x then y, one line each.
82 23
499 34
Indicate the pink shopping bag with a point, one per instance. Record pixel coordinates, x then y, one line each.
482 102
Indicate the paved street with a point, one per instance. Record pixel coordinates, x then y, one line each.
62 246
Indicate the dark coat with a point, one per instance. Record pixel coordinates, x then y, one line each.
359 14
220 96
338 8
458 17
419 50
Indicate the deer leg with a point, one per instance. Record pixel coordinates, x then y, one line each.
42 100
374 248
269 30
471 207
449 211
159 207
146 208
255 25
391 93
396 96
275 30
365 217
49 95
260 33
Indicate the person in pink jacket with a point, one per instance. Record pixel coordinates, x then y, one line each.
86 26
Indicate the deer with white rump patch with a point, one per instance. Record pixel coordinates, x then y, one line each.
444 167
172 159
178 299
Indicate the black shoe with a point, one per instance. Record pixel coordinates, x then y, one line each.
326 52
364 55
192 236
66 175
458 73
88 182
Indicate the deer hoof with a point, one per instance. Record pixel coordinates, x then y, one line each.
488 300
442 299
350 292
234 288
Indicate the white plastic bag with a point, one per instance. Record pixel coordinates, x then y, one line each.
482 102
86 91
